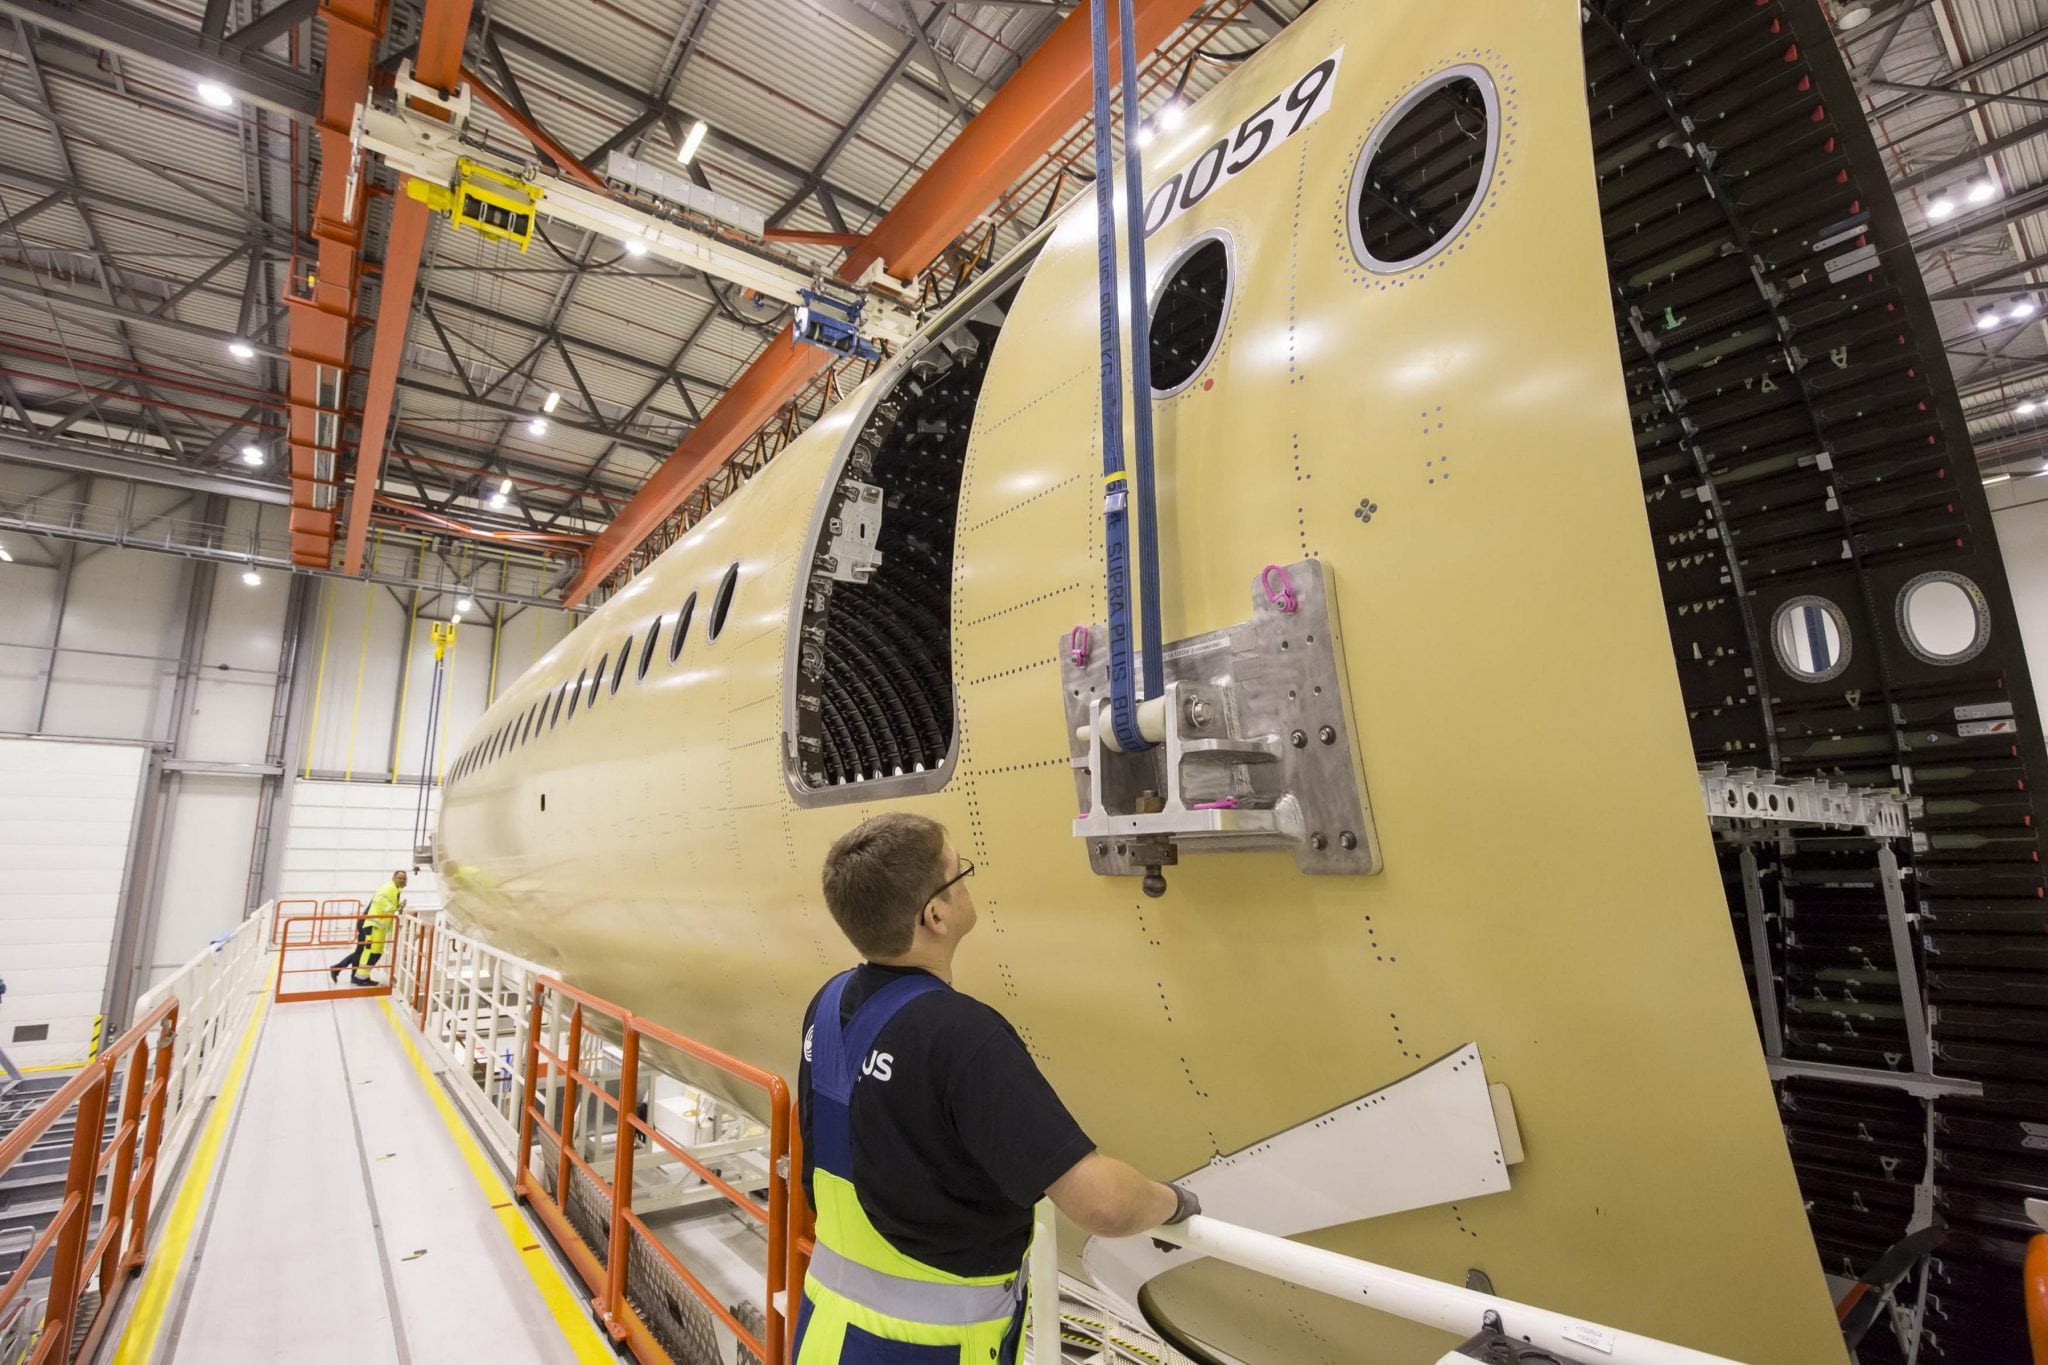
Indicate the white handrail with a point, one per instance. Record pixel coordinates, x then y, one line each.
217 990
1450 1307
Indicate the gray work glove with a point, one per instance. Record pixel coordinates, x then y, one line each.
1186 1204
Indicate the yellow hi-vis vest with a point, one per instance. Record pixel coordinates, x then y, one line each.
383 908
865 1302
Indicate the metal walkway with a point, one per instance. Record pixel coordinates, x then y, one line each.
351 1218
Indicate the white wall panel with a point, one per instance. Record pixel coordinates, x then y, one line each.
231 692
67 816
347 838
363 631
206 867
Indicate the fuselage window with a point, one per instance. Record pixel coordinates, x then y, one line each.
647 650
576 692
1187 317
1811 638
596 682
1424 171
1944 618
682 631
625 657
722 603
555 711
871 649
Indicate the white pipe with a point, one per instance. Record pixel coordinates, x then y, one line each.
1420 1299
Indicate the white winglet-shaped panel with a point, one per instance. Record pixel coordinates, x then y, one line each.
1429 1138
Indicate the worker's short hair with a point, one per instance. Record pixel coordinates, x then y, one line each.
878 878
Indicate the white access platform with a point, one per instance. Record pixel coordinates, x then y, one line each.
347 1215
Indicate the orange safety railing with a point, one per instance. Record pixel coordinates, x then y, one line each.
2036 1272
416 955
126 1161
279 911
567 1083
306 940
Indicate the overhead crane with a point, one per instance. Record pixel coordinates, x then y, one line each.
427 136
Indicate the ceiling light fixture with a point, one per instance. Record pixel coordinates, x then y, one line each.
241 350
2022 307
2027 408
1856 16
462 604
1998 478
1983 191
635 247
692 140
252 454
551 402
1987 319
1941 210
5 558
215 94
1173 115
497 502
505 487
538 426
252 578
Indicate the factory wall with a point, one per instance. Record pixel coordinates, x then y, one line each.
378 675
116 621
2020 513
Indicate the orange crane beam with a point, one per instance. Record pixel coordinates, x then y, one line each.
1045 97
443 29
323 297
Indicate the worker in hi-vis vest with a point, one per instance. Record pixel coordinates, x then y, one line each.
373 930
929 1133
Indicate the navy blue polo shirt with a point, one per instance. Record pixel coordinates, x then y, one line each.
956 1133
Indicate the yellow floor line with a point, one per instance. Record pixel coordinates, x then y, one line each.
146 1323
567 1306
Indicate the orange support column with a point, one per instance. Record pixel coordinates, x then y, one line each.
443 29
613 1298
2036 1271
67 1271
323 293
152 1137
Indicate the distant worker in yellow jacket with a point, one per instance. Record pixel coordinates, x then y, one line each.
372 932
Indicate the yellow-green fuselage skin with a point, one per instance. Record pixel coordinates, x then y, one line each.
1549 888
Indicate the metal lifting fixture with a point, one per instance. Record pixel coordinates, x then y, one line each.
1235 740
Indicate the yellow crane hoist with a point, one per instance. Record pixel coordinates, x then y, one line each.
494 203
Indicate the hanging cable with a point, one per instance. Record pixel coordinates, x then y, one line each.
1151 682
1123 698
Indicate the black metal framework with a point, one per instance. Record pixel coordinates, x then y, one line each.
1801 442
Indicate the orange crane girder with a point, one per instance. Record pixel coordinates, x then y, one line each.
1045 97
443 29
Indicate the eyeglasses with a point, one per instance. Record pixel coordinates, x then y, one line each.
966 870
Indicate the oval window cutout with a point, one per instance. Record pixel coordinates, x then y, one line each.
1811 639
1944 618
682 632
722 604
1425 169
596 682
1187 314
647 650
625 657
576 692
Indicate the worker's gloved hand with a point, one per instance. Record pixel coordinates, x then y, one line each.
1185 1206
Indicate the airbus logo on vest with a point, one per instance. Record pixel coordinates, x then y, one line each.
879 1065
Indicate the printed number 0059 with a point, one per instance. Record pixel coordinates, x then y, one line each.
1269 125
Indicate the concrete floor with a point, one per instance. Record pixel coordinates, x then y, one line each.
345 1225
